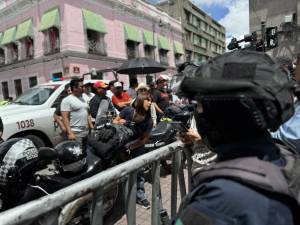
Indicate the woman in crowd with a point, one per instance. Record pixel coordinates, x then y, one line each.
144 90
138 118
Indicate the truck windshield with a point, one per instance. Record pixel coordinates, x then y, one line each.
36 96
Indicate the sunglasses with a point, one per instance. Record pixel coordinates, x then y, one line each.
143 89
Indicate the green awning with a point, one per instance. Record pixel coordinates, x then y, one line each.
8 36
93 21
25 29
163 43
132 33
148 38
50 19
178 48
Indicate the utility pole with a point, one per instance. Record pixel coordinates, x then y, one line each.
153 32
263 35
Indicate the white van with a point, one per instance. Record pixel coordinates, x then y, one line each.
31 114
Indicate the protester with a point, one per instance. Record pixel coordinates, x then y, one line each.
133 84
160 95
100 104
138 118
110 89
120 99
57 113
75 112
241 95
87 95
143 90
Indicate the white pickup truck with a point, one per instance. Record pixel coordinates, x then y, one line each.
31 114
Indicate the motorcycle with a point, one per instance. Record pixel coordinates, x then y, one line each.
176 120
36 173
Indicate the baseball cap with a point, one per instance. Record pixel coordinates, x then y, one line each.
100 84
118 84
142 86
163 77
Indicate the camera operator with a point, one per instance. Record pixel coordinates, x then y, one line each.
240 96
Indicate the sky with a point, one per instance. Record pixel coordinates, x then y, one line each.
232 14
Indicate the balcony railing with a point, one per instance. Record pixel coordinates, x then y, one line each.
96 47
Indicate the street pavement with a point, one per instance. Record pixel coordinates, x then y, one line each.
143 216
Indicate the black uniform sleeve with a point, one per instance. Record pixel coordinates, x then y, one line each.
155 96
1 125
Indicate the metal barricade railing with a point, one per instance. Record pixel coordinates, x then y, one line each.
95 184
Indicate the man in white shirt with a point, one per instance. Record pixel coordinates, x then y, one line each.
75 112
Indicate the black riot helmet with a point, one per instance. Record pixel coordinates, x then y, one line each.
241 94
72 158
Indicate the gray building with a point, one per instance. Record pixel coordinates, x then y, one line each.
285 17
203 36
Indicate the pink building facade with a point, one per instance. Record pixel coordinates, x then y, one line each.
45 39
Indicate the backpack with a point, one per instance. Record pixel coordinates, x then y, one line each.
259 174
109 140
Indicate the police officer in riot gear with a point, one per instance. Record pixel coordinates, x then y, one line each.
241 95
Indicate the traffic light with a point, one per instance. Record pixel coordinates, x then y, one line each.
271 37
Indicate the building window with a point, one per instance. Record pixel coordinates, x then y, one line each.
51 41
188 55
5 90
188 35
12 53
2 56
26 48
195 21
213 47
18 87
178 59
163 56
196 39
149 51
203 43
132 49
203 26
96 43
32 81
187 16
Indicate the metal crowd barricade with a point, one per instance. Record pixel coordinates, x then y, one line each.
33 210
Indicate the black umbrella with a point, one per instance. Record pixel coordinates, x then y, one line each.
140 66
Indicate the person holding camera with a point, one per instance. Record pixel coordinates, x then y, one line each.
240 96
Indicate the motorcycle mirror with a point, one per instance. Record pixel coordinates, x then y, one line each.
46 153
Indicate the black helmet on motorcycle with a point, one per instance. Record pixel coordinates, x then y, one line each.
71 157
18 157
241 94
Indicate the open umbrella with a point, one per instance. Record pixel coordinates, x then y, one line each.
140 66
